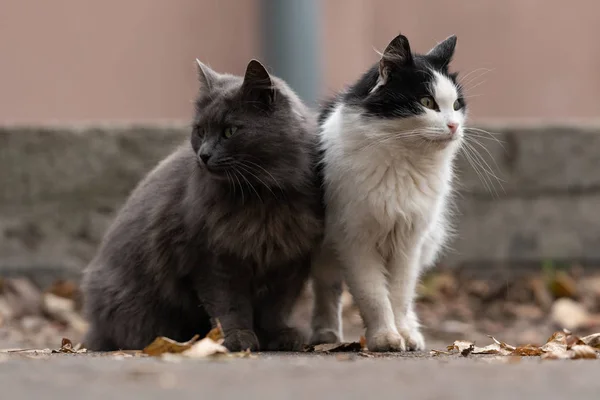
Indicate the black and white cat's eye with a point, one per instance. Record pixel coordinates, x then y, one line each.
428 102
229 131
457 105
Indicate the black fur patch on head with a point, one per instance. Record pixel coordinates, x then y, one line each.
393 87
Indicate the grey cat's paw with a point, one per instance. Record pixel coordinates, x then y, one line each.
240 340
286 339
385 341
325 336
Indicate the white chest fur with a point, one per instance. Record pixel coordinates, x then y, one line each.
380 190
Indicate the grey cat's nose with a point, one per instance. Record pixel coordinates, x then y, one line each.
204 156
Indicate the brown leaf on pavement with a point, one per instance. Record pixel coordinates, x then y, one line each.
528 351
463 347
204 348
556 346
494 348
363 342
352 347
434 353
583 351
216 333
162 345
592 340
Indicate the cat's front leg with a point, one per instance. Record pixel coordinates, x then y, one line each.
282 288
404 269
227 297
364 271
327 283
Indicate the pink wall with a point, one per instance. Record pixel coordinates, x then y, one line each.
65 60
73 60
544 54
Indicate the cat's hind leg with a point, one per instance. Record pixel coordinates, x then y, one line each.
327 283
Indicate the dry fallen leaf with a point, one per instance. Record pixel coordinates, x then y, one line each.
216 333
592 340
162 345
363 342
204 348
566 346
334 347
582 351
494 348
528 351
434 353
556 346
464 348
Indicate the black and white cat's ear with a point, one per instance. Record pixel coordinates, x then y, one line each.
206 76
258 85
397 53
442 53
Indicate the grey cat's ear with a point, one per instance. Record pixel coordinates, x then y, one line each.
397 53
442 53
258 85
206 75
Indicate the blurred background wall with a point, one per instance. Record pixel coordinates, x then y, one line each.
75 60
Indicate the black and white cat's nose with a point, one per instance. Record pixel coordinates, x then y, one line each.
452 126
204 156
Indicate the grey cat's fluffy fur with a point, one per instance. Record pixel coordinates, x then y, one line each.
227 237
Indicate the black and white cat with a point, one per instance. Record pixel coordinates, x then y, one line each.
388 145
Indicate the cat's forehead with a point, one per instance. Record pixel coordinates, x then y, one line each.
216 102
443 87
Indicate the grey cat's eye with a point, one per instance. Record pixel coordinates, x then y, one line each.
457 106
229 131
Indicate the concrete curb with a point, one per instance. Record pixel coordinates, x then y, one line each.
62 185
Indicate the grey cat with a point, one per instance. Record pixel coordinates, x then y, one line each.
222 229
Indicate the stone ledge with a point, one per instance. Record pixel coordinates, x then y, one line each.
62 186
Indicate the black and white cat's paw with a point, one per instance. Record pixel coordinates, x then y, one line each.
385 341
241 340
409 328
322 336
414 339
285 339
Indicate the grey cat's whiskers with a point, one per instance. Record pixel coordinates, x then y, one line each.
251 186
235 174
247 169
267 172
